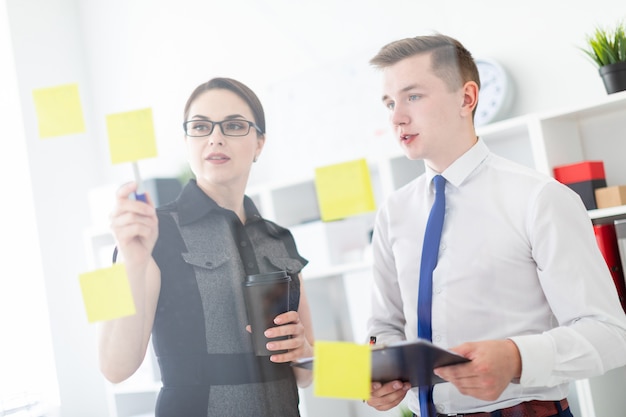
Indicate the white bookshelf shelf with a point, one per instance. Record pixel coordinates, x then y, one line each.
607 214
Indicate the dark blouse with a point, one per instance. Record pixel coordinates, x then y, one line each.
205 354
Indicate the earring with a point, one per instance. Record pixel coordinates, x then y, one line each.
255 159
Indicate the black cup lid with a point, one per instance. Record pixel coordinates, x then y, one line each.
269 277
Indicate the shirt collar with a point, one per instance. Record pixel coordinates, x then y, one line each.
460 169
193 204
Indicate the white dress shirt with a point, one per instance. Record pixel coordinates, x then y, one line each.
518 259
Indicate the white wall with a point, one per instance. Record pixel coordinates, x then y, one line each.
307 61
27 366
47 44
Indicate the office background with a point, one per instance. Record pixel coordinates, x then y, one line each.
308 62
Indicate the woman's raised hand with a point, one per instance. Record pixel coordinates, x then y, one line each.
134 225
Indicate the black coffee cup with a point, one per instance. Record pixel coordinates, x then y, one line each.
266 296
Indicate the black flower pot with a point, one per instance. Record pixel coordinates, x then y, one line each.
614 77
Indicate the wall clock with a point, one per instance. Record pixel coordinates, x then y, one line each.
496 92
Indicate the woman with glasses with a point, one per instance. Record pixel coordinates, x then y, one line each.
186 262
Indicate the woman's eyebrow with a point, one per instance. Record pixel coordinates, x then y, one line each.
229 117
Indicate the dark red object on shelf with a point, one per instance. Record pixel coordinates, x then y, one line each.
607 241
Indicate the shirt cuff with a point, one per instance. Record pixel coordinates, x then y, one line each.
538 355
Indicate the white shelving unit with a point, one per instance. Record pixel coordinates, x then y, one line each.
542 141
339 249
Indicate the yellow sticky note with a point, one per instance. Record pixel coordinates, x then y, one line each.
106 294
58 110
344 190
342 370
131 136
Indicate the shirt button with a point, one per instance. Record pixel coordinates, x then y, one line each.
438 290
250 264
208 263
243 243
437 338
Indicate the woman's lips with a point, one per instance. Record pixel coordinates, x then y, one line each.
217 158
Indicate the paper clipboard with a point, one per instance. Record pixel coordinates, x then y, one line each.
410 361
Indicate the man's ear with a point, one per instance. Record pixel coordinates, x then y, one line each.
470 97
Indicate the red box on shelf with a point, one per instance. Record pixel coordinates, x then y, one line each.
580 171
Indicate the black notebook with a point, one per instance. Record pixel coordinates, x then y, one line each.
410 361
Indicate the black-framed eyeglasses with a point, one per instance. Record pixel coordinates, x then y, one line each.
232 127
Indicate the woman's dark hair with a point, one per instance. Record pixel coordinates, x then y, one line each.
242 90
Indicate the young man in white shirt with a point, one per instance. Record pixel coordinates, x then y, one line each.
520 286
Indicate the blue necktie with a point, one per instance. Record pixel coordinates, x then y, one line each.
430 253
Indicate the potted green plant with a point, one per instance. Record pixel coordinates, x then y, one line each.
607 49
